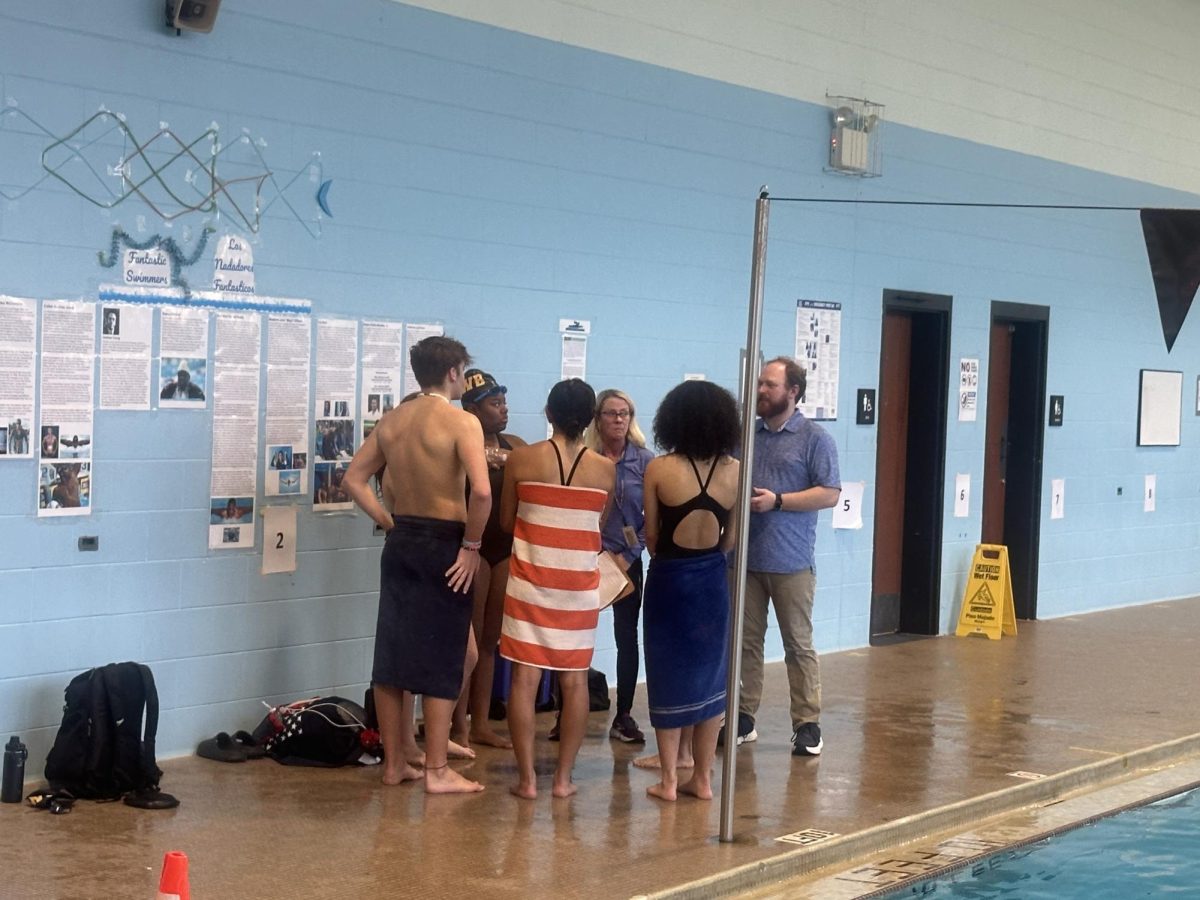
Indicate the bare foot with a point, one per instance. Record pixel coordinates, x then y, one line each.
696 788
662 791
564 790
653 762
458 751
445 780
491 739
404 773
524 791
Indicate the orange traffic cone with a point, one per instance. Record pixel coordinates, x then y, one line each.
173 885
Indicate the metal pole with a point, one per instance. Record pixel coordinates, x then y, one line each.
758 264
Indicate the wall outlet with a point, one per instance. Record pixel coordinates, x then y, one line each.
89 542
1119 491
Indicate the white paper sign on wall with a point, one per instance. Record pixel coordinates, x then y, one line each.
968 389
962 495
233 266
146 268
847 513
279 539
1057 488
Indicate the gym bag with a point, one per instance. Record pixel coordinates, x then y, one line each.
325 732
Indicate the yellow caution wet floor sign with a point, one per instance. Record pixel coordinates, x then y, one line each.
987 606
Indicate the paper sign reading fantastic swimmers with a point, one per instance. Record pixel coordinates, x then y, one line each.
146 268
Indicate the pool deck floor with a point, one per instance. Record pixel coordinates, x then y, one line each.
922 737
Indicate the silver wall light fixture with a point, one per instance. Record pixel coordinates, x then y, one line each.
856 137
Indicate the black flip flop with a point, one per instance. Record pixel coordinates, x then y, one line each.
222 748
252 748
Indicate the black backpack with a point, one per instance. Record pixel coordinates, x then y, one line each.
101 751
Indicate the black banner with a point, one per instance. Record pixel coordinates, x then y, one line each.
1173 246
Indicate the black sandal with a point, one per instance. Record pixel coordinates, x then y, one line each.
58 802
151 798
245 740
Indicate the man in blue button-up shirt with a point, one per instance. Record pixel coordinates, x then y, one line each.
795 475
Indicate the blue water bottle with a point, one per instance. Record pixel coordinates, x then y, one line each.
15 754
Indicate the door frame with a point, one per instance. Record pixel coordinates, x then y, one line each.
1007 311
917 302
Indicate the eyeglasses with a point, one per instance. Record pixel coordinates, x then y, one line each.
617 414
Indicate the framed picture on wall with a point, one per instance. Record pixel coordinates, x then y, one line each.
1160 403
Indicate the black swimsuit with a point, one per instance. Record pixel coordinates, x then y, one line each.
671 516
565 479
496 543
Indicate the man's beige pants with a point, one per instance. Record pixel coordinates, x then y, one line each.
792 595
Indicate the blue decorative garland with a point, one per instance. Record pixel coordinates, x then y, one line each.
158 242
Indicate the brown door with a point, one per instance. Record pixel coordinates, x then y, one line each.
996 448
890 464
910 465
1012 465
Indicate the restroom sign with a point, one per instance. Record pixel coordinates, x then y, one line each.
987 606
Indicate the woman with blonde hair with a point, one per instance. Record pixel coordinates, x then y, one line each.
614 433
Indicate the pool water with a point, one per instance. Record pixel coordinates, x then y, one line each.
1149 851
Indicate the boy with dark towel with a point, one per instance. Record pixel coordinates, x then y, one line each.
432 450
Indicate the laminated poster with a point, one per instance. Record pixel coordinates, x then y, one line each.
285 456
574 356
818 350
125 355
383 359
183 359
18 363
333 429
67 396
414 334
236 362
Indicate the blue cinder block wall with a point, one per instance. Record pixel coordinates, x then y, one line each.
497 182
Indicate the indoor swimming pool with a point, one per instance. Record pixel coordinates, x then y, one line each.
1145 851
